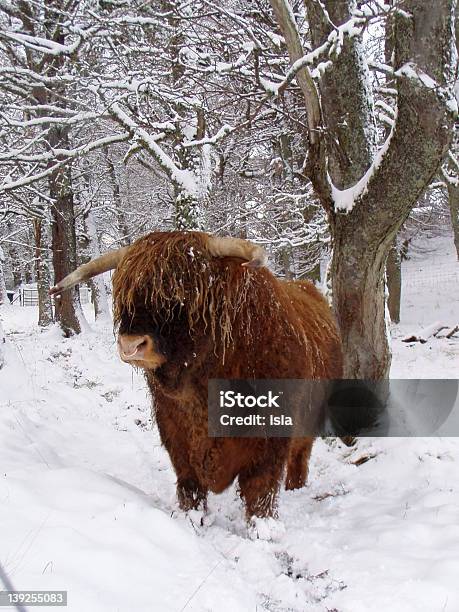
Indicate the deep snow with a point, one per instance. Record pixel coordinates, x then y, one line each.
88 501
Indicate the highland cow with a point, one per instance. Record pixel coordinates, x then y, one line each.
190 307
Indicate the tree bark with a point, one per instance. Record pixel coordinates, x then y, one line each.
394 283
123 230
67 307
3 304
28 266
4 301
45 309
2 346
453 201
14 258
97 284
393 262
363 236
286 262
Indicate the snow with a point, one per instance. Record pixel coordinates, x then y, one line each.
275 38
270 87
345 199
88 493
413 72
43 45
387 109
321 68
429 293
221 133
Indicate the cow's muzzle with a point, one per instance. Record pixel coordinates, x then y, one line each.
139 351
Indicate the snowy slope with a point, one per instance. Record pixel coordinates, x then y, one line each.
88 501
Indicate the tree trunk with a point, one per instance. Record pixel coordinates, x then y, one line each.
45 309
453 200
394 283
189 124
358 293
186 215
286 262
393 263
363 233
2 346
28 268
123 229
313 274
67 307
363 237
97 284
4 302
16 266
14 258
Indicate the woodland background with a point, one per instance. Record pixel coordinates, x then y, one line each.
324 130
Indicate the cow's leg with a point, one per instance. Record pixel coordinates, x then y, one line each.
191 493
259 484
298 462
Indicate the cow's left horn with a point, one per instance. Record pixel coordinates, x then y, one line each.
106 262
254 254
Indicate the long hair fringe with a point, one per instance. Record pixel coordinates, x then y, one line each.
174 272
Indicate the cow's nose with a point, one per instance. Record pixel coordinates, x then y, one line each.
134 348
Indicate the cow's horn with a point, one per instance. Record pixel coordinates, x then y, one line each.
101 264
254 254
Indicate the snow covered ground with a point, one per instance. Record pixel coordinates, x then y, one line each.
430 293
87 495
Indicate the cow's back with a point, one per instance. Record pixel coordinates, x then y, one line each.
319 326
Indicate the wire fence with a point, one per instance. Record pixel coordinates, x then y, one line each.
434 276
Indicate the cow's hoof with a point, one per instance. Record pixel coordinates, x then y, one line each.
200 518
268 529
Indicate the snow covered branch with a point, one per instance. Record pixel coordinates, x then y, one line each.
287 24
61 155
184 178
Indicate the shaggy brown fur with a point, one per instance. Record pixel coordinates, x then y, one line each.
209 318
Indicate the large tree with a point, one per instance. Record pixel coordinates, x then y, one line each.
368 192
